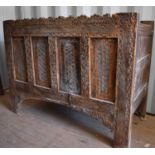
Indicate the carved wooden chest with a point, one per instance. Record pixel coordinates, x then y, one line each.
98 65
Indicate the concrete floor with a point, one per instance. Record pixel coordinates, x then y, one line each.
41 124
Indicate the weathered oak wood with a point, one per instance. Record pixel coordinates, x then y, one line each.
98 65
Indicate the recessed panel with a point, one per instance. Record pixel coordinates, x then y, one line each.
103 53
19 59
69 64
41 61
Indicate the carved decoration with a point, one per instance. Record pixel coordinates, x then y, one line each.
84 59
97 19
103 66
41 56
53 62
69 65
29 58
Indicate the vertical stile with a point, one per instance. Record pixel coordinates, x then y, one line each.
29 58
53 62
84 59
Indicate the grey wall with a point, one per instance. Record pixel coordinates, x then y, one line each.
16 12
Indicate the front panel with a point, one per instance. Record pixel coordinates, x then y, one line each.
100 64
69 64
103 56
41 61
19 59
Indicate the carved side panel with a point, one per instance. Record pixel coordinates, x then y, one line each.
41 61
141 75
142 67
144 46
103 54
69 64
19 59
